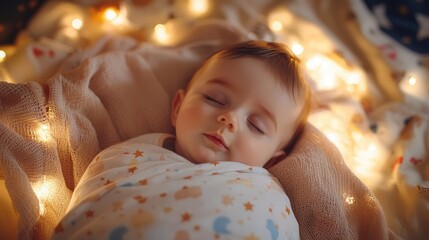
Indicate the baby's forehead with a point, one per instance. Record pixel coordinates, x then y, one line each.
242 66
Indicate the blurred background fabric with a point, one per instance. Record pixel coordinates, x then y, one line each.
14 16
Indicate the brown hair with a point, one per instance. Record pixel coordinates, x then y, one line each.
284 65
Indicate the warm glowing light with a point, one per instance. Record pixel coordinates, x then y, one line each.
161 33
331 136
353 78
279 19
370 157
68 34
327 79
349 199
77 23
198 6
314 62
110 13
335 129
372 148
297 49
120 20
2 55
412 81
43 189
71 21
358 136
43 132
276 26
413 86
331 74
355 81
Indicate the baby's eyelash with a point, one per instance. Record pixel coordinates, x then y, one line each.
255 128
213 100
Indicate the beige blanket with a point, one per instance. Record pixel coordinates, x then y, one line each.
118 89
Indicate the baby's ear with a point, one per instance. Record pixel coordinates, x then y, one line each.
278 156
175 105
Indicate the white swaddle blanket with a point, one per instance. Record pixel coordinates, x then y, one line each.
139 190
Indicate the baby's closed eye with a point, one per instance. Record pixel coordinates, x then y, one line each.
256 125
215 99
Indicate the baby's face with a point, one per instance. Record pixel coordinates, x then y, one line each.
234 110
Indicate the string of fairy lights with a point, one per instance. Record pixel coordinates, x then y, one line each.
328 71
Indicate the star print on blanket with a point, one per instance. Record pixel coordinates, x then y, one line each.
406 21
136 190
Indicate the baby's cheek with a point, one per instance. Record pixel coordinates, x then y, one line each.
197 112
192 113
250 152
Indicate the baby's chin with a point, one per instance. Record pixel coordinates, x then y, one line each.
202 156
205 159
201 160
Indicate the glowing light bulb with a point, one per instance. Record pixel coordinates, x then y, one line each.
43 133
198 6
276 26
77 23
332 137
412 81
43 189
110 13
353 78
297 49
279 19
161 33
372 148
349 199
413 85
2 55
73 21
314 62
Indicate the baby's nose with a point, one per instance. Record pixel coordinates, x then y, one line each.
229 120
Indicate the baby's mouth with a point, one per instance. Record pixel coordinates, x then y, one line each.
217 140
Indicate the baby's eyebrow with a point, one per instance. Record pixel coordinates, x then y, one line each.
222 82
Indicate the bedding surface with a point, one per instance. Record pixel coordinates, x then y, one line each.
139 190
68 102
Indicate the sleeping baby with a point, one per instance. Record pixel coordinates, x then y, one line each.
241 112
